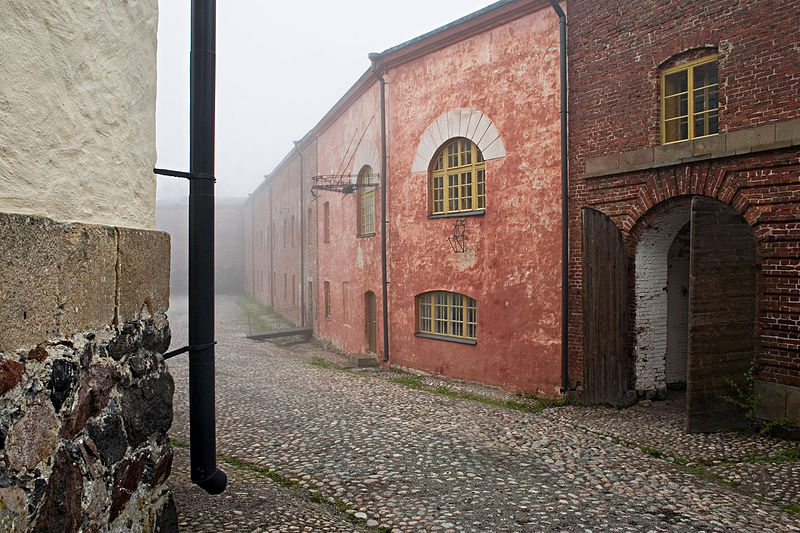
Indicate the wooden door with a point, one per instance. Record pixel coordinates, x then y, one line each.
605 309
722 292
371 322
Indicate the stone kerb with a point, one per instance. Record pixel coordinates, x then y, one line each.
85 397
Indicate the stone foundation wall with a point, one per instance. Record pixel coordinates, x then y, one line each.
85 398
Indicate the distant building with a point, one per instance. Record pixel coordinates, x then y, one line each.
173 217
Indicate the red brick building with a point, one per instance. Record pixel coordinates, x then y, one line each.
684 137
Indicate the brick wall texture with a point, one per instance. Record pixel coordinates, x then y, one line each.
616 51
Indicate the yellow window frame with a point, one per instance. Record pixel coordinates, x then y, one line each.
447 314
690 91
458 178
366 203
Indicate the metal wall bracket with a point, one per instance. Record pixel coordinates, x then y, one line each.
186 175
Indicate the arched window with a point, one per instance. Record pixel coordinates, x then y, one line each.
447 314
458 178
366 202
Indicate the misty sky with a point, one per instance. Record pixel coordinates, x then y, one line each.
281 65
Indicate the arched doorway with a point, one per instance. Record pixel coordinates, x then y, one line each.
694 289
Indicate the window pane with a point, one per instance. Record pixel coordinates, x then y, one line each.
675 106
438 194
705 123
481 189
452 192
452 155
466 191
425 312
705 75
456 315
676 83
472 319
440 304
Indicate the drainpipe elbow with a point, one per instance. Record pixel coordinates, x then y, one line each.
215 483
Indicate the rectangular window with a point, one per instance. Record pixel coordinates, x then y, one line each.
447 314
367 213
310 227
326 222
689 101
345 314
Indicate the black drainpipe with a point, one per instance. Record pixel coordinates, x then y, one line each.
562 23
384 185
202 440
301 242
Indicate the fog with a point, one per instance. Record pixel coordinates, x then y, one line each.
280 67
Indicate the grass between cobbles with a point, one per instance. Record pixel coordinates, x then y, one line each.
311 491
529 405
702 467
320 362
257 314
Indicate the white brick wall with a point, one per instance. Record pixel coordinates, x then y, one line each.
651 297
678 308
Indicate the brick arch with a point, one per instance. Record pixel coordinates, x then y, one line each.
665 188
688 52
467 123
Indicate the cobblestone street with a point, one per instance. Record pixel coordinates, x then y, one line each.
312 447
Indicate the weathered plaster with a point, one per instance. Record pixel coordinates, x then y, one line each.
499 88
351 264
77 110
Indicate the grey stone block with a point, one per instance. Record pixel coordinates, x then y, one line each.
709 145
788 131
672 152
636 159
87 277
602 164
744 141
143 273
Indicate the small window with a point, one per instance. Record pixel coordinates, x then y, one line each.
458 179
689 101
326 222
447 314
366 202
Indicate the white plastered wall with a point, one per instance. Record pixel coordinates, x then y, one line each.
651 297
77 110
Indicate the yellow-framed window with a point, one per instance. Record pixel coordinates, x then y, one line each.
458 178
689 100
366 202
447 314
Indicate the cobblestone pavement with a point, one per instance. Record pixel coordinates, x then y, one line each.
310 448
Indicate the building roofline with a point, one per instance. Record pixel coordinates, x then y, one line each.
489 17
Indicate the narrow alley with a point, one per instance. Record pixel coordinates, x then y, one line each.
311 447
